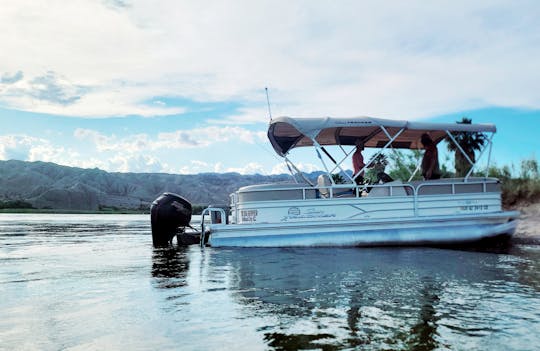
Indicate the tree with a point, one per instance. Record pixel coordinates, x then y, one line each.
338 179
403 164
529 169
377 164
470 142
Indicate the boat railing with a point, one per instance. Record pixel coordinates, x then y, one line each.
217 216
448 186
458 186
346 190
419 194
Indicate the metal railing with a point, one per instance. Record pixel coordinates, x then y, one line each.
343 191
210 211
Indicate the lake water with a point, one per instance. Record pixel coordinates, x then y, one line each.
94 282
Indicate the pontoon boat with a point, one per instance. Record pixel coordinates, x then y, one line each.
324 213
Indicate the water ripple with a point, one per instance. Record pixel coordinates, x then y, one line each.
95 282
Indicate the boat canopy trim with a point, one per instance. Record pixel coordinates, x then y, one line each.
286 133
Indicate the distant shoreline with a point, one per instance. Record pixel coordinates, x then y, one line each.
55 211
528 230
197 209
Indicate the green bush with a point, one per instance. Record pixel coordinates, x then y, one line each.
521 186
522 189
403 164
15 204
338 178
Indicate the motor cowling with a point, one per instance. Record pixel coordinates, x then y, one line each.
168 213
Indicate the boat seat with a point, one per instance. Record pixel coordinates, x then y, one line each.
444 186
276 192
323 182
385 189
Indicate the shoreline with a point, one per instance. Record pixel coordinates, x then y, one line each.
52 211
528 229
527 232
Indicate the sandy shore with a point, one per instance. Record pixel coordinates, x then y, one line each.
528 229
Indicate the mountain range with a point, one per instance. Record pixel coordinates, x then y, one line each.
52 186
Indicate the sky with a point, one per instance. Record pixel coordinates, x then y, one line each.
179 86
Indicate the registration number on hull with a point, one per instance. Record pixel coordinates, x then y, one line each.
249 215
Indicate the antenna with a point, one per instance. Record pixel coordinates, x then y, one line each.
268 102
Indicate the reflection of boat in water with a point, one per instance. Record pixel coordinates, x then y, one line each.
170 266
444 211
347 298
382 298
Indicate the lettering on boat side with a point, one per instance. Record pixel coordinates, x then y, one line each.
472 206
295 213
249 215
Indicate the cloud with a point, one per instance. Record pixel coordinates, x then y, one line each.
408 60
135 163
116 3
8 78
281 168
127 150
29 148
53 94
244 116
206 136
53 89
249 168
180 139
134 153
101 141
15 147
196 166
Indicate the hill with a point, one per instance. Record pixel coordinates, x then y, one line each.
48 185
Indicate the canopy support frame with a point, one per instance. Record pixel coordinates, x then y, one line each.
480 156
473 164
390 141
337 164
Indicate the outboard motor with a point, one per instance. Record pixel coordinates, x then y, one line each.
168 213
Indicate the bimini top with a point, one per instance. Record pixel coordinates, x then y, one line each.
286 133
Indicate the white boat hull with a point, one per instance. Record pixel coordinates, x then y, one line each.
397 231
